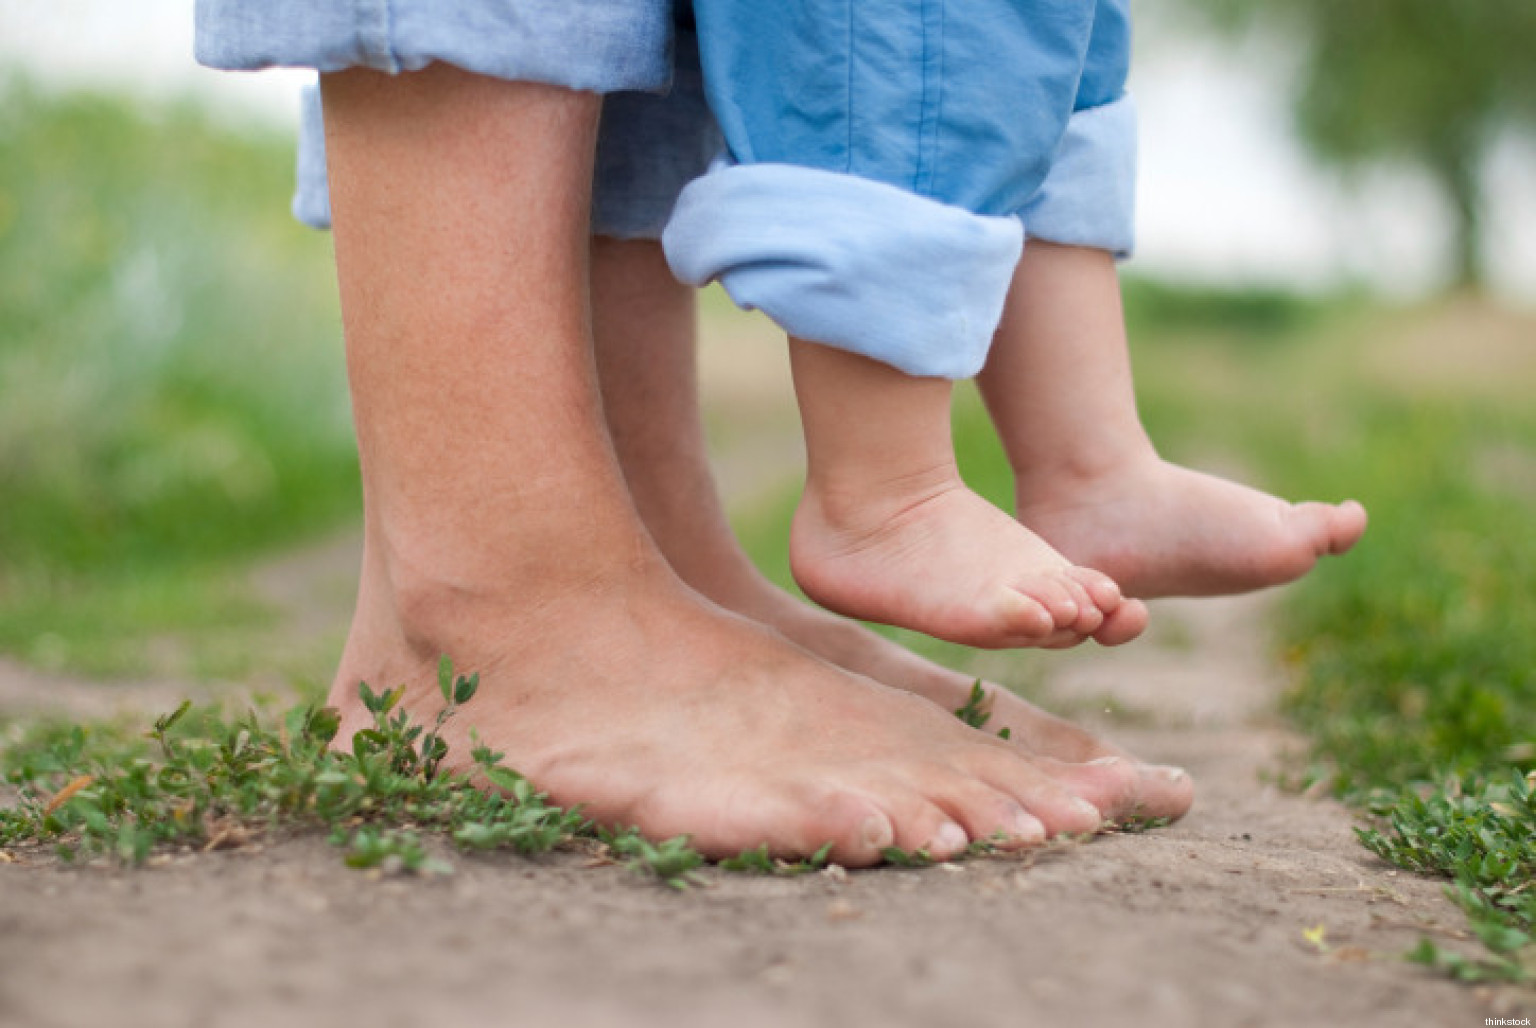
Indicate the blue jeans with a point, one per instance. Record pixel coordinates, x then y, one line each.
877 169
887 156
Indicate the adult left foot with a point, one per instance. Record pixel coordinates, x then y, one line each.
1121 785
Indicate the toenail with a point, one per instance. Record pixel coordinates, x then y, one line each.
1163 772
949 839
1105 761
876 832
1086 809
1026 828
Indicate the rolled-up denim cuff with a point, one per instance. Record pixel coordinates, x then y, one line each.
850 262
649 147
599 45
311 194
1089 197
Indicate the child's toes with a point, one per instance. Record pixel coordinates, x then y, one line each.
1122 624
1054 592
1089 616
1102 590
1019 619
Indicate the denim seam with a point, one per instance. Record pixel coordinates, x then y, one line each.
374 31
935 161
919 164
848 160
1107 103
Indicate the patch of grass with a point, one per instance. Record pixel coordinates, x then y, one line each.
198 780
173 393
1256 313
1414 658
1483 840
760 862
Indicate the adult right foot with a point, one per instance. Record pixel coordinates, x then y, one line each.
631 696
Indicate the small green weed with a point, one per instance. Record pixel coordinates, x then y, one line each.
759 862
977 710
898 857
672 860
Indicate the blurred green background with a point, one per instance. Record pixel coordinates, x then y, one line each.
172 381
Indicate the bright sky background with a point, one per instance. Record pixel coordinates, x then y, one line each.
1226 195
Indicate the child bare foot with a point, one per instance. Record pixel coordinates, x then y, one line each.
1058 386
887 532
944 561
1162 530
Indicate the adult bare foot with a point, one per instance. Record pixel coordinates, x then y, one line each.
723 731
1120 785
886 530
1058 386
498 529
645 337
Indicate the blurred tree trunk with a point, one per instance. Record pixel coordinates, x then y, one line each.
1456 169
1431 82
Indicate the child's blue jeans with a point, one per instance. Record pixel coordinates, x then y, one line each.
884 158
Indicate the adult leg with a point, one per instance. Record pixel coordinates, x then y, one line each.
498 529
644 327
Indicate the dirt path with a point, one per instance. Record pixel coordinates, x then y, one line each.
1199 924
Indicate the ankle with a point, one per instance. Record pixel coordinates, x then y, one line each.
855 499
435 601
1081 466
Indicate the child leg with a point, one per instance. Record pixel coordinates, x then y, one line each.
1058 385
879 165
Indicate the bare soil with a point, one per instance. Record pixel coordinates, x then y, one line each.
1259 909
